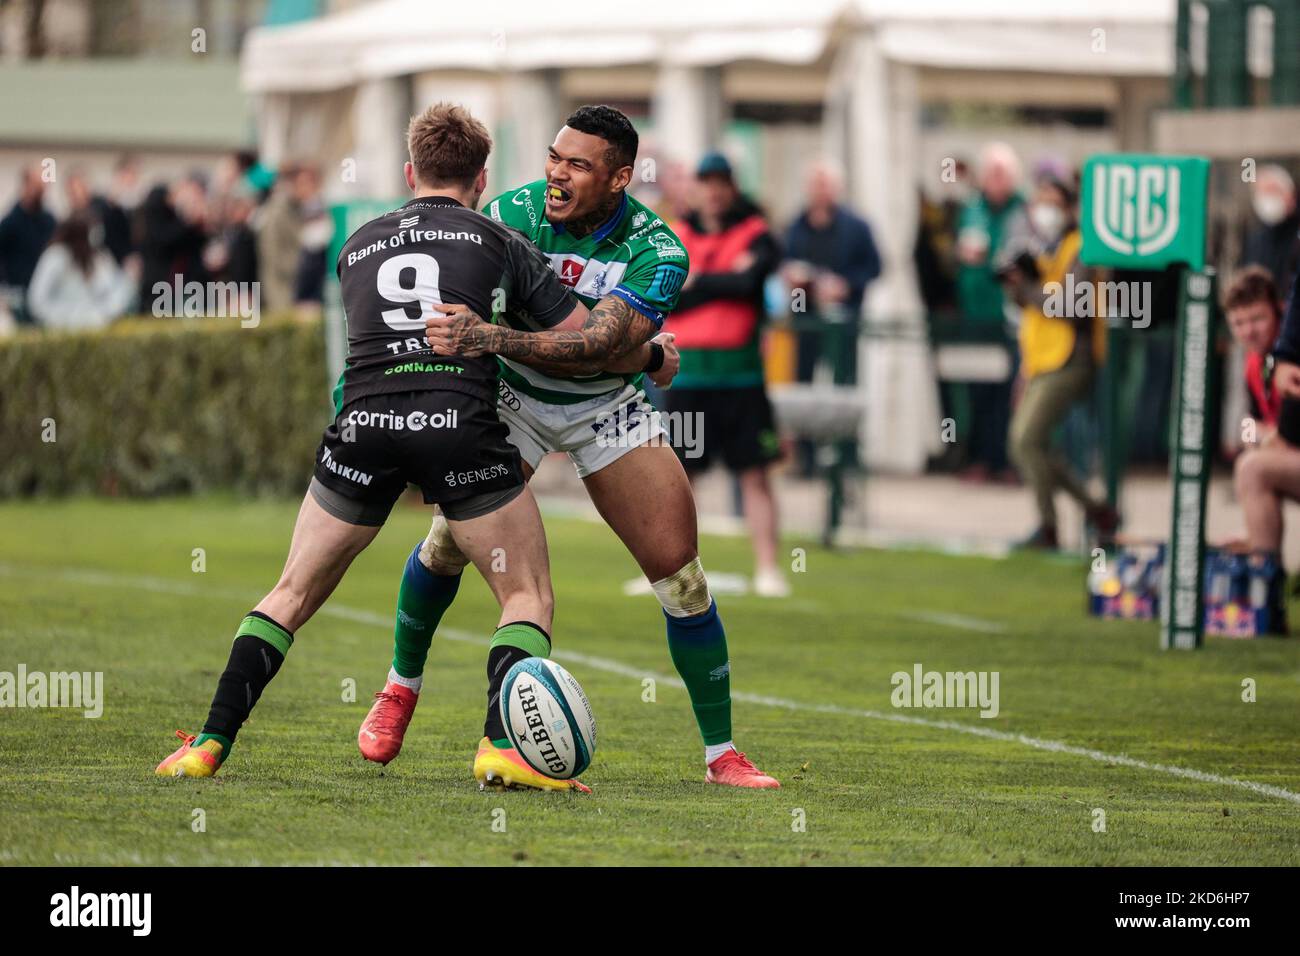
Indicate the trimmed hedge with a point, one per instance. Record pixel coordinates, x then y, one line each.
152 407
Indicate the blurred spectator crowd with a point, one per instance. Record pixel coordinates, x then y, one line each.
989 247
992 239
241 223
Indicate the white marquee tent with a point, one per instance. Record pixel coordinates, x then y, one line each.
342 86
398 37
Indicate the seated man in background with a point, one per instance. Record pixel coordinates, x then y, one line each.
717 325
1268 471
1059 360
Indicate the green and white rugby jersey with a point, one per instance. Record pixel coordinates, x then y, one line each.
634 256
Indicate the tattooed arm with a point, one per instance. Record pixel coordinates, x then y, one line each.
612 336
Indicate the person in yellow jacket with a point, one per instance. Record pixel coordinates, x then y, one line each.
1060 352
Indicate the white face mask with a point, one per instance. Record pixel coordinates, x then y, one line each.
1269 207
1047 220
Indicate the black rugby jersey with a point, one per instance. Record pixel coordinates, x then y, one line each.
396 269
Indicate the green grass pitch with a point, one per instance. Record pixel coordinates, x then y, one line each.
109 586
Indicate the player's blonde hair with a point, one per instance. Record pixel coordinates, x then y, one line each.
448 146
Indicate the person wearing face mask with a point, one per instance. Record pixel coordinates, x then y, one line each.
1275 242
1059 357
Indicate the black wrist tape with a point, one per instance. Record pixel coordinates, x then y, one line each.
656 358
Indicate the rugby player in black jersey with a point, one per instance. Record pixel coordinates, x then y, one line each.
408 415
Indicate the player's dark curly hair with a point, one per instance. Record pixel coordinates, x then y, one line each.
611 126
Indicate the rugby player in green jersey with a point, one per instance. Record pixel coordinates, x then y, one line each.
401 419
560 395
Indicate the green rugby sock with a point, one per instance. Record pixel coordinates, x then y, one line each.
698 647
422 600
226 743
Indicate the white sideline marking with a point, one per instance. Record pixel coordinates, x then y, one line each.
959 621
1052 746
361 616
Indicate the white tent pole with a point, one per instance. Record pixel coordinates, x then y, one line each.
687 110
531 113
273 110
900 427
379 118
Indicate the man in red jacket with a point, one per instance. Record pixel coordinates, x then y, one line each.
717 324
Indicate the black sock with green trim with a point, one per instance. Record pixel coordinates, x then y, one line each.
511 644
259 649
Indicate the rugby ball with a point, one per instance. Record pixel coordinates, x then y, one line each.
548 718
